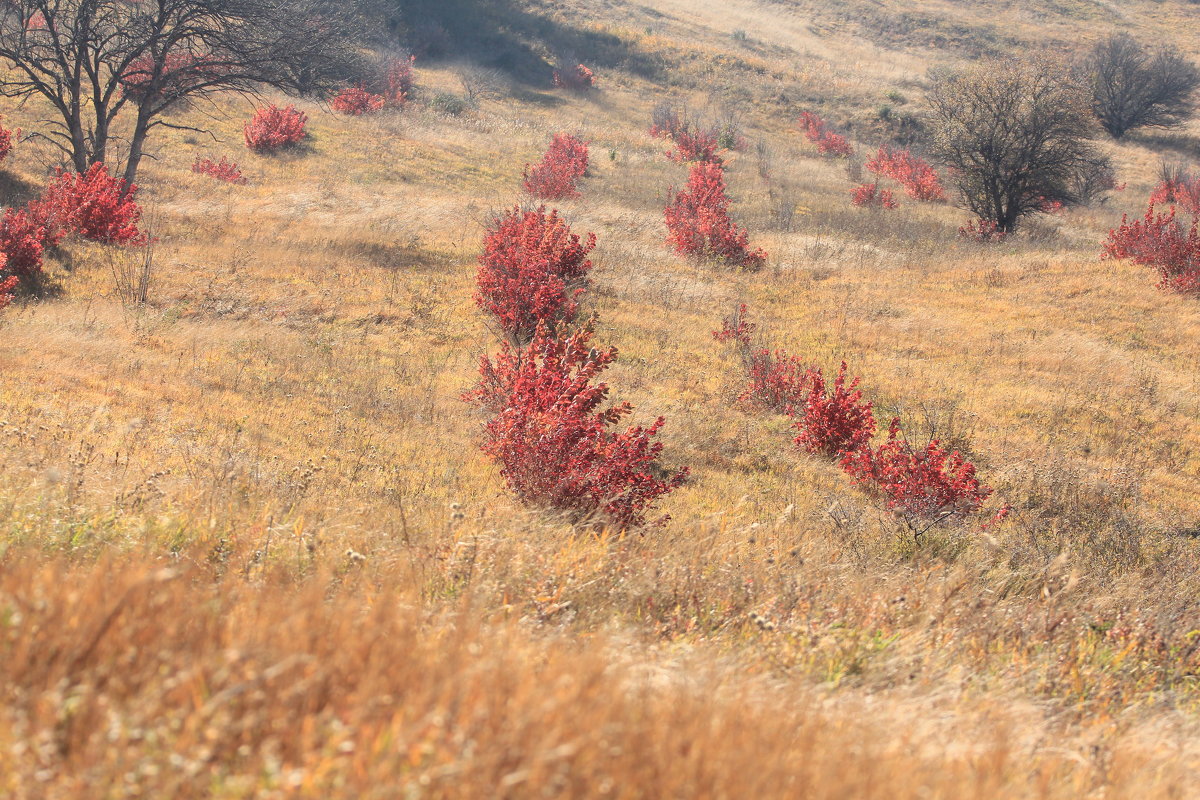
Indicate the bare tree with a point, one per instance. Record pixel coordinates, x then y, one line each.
1016 135
111 69
480 83
1133 87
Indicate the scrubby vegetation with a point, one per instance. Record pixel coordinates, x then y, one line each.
827 438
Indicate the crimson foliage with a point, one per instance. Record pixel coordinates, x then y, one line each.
577 79
833 423
777 381
1163 243
532 271
557 176
921 483
223 170
273 128
7 285
698 222
180 72
695 146
737 328
23 238
6 141
869 195
94 205
982 231
356 101
555 442
919 180
816 130
399 79
1183 190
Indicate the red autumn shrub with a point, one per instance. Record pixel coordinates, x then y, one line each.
555 178
179 72
398 78
94 205
6 141
23 239
1163 243
555 443
695 146
7 286
776 381
1183 191
926 483
1047 206
869 195
982 230
273 128
668 121
816 130
356 101
532 271
223 170
576 79
833 423
737 328
693 139
919 180
698 222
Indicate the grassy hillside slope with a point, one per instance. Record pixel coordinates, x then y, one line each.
250 548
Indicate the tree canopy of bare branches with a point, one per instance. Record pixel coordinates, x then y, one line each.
112 69
1134 87
1016 136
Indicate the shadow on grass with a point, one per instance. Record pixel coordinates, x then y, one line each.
538 98
37 286
15 191
499 34
1178 143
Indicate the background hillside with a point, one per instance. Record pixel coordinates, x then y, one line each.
251 549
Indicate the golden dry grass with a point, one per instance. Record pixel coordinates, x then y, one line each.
140 680
251 550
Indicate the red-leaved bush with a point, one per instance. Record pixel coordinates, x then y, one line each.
555 443
1163 243
557 176
356 101
23 239
577 78
775 381
695 146
833 423
869 195
178 73
668 121
1182 190
94 205
223 170
698 222
398 77
737 328
694 139
6 141
816 130
983 231
532 271
273 128
919 180
926 483
7 285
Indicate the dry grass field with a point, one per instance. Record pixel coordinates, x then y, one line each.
249 546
